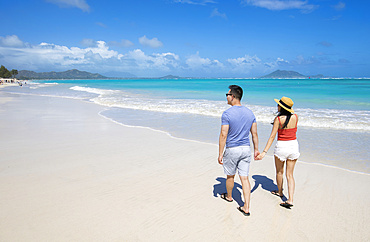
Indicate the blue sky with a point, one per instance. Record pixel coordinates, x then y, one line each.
191 38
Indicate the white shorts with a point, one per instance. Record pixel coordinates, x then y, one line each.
237 159
287 150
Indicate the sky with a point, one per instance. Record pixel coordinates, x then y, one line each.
188 38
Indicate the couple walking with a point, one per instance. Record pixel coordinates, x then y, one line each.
235 152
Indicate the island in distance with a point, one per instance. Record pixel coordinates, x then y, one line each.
76 74
279 74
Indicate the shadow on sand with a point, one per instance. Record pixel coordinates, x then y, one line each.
266 184
263 181
220 188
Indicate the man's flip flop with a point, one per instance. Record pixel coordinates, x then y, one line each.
276 193
243 212
223 196
286 205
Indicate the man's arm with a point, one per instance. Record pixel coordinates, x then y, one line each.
255 139
222 142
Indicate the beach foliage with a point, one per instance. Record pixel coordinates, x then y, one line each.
14 72
5 73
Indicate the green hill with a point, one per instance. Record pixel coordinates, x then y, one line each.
284 74
70 74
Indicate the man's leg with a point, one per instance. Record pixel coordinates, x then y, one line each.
229 187
246 186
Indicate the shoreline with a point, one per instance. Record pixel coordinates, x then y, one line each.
80 176
309 152
3 85
208 143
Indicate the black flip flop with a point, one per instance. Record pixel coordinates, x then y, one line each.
286 205
276 193
243 212
223 196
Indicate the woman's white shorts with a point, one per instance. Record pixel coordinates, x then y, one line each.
287 150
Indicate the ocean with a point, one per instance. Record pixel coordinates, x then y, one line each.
334 114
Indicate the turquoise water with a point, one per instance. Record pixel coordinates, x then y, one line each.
334 114
351 94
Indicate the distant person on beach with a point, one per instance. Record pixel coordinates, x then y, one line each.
286 148
236 124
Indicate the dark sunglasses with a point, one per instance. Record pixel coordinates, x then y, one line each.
228 94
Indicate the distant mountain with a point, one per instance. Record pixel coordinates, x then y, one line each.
317 76
289 75
170 77
70 74
284 74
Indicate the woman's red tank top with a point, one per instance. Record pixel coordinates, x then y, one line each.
288 134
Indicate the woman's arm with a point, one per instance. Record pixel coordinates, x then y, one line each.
271 139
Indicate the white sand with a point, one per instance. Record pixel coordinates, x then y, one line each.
67 174
3 85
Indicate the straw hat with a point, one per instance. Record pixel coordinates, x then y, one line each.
285 103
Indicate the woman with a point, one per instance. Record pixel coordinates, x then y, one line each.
286 149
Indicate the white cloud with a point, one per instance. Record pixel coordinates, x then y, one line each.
163 61
95 57
340 6
246 61
197 62
81 4
281 4
216 13
195 2
51 56
88 43
249 64
98 57
153 43
122 43
275 64
11 41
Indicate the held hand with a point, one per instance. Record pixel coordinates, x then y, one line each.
256 153
260 156
220 157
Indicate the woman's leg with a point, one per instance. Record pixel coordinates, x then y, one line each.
289 176
279 165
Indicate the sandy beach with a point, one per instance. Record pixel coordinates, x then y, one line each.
69 174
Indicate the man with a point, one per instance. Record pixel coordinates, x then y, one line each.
236 123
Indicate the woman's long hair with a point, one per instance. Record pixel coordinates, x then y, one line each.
286 113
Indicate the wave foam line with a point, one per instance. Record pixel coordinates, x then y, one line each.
183 139
201 142
149 128
328 166
45 95
321 118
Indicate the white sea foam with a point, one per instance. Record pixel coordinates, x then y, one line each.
318 118
36 85
94 90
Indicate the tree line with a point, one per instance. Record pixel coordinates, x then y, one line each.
5 73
